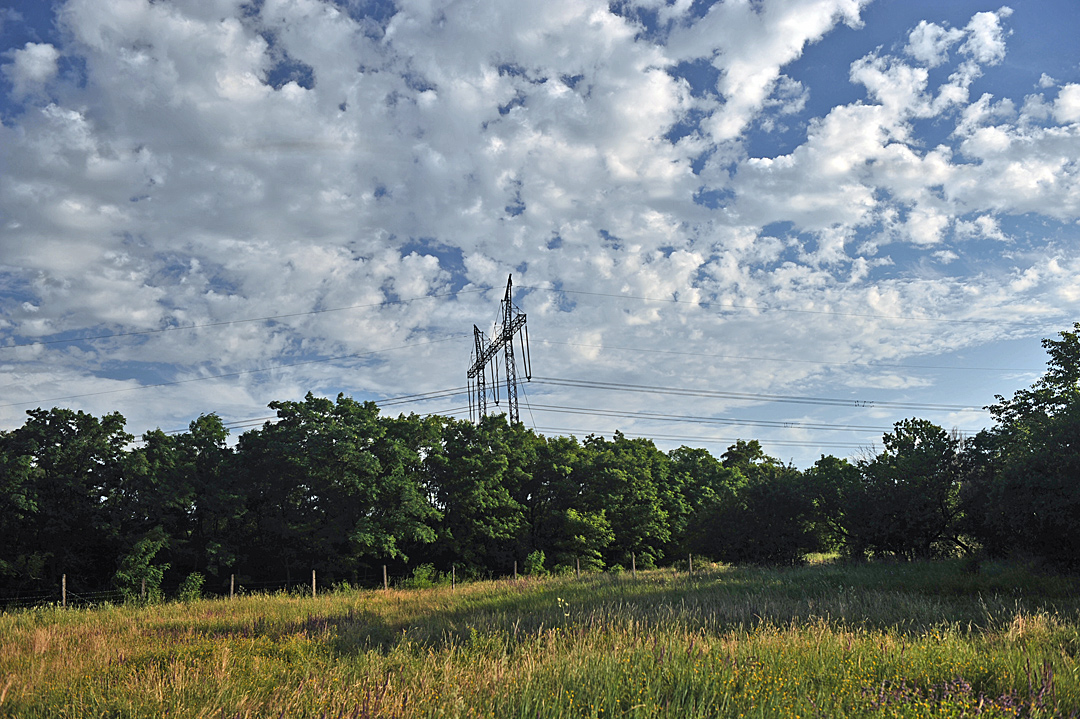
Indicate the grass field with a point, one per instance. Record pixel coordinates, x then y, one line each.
918 640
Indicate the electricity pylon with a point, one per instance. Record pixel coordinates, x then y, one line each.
485 360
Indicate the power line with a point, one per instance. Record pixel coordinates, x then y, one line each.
866 365
680 391
384 303
660 417
389 402
623 387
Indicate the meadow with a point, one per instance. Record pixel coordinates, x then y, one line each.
827 640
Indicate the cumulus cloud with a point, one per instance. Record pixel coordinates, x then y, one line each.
1067 104
31 67
929 42
368 182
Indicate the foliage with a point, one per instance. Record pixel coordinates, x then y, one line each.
334 486
423 576
626 479
191 589
1026 467
331 473
138 577
62 474
474 478
907 501
534 564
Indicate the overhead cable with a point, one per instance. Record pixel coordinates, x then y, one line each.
866 365
793 399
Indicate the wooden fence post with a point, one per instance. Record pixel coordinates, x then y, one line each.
312 583
690 561
577 564
453 576
142 591
232 585
633 565
515 569
63 590
385 581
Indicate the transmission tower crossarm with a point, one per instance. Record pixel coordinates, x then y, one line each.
512 322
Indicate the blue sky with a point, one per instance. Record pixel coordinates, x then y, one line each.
812 217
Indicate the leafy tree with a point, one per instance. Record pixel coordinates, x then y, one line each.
477 478
907 503
187 486
554 486
755 509
1025 495
626 479
583 536
837 486
65 468
710 492
744 456
22 561
138 570
330 489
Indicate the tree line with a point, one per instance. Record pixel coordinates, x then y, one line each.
335 486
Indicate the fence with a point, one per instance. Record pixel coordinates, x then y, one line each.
66 597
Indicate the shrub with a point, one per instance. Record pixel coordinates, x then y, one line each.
423 577
191 587
534 564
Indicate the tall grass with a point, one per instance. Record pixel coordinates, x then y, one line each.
834 641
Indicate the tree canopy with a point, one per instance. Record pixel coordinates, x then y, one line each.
334 485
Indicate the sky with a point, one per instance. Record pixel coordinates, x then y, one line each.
797 221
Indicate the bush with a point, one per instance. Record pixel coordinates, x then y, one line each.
423 577
191 587
534 564
138 572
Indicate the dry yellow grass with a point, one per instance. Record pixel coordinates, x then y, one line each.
822 640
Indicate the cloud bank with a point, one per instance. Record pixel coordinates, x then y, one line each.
168 164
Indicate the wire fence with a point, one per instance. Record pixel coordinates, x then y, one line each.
66 595
370 579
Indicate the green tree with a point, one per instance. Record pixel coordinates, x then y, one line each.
756 510
66 469
907 503
138 571
837 486
626 478
22 561
477 479
1024 495
710 491
330 489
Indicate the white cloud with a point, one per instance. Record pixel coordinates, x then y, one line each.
221 164
985 41
756 42
929 43
1067 104
31 68
982 227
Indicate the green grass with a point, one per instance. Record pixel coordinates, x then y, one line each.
877 640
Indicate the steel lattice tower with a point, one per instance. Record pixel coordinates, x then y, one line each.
485 359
